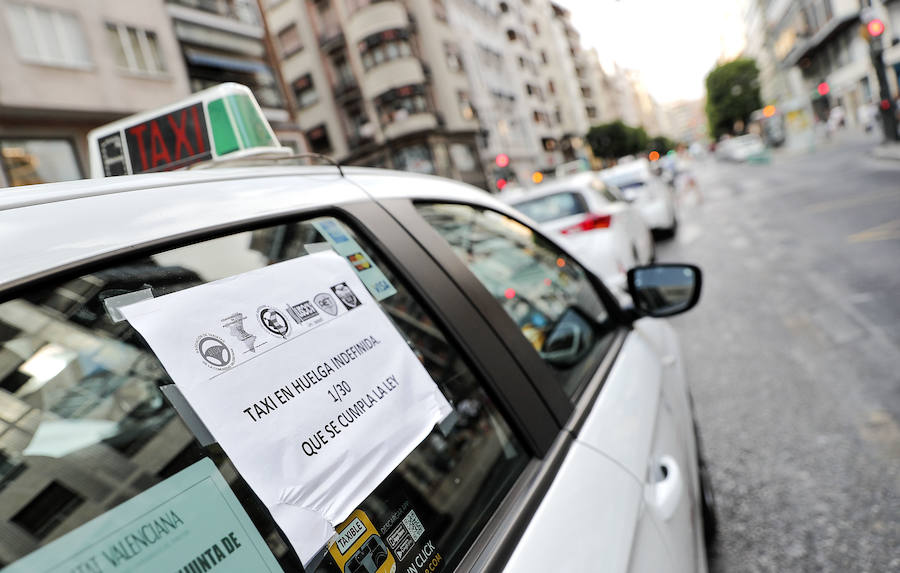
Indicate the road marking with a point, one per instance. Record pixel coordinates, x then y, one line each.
837 204
884 232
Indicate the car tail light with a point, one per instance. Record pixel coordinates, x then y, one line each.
591 222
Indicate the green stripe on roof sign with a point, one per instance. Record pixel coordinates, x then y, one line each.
253 129
223 133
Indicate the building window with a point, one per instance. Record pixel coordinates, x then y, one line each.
31 161
48 509
289 41
305 92
534 26
511 34
318 140
440 11
136 50
504 7
454 59
586 92
47 36
591 112
397 104
384 47
544 57
548 143
465 105
550 87
416 158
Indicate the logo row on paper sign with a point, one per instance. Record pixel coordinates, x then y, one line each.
217 354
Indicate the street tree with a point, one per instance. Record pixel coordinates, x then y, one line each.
732 94
615 139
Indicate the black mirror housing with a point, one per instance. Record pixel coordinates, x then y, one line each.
664 289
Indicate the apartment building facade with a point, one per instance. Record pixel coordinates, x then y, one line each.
379 83
67 67
226 41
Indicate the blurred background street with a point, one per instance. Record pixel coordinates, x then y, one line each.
793 357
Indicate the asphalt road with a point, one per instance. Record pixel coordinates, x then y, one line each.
793 356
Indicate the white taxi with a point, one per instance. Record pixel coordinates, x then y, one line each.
565 439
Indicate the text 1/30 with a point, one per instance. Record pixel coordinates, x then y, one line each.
339 390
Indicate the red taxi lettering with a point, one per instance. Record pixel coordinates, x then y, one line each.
181 138
158 146
138 133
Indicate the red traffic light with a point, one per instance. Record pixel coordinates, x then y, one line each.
823 89
875 27
502 160
501 183
885 104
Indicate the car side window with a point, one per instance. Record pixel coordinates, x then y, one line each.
543 290
65 363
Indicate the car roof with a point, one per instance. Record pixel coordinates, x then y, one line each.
577 182
50 227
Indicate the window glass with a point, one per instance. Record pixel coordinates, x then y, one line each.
552 207
32 161
47 35
85 427
155 56
136 50
547 294
115 43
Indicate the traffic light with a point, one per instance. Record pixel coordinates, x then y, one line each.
875 27
769 111
823 89
502 160
501 183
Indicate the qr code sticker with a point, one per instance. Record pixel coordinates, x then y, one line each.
413 525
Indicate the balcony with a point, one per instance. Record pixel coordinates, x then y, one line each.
396 73
410 124
376 17
345 90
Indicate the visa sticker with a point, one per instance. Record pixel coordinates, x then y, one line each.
344 245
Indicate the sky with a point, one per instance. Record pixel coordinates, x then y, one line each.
672 43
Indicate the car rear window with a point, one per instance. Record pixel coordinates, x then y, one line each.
553 207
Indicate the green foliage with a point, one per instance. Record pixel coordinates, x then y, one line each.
613 140
661 144
732 94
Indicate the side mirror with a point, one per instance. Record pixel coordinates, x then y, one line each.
664 289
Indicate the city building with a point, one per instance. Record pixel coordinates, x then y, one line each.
67 67
379 83
687 121
821 60
226 41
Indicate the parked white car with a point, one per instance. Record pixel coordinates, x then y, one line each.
599 224
742 148
651 195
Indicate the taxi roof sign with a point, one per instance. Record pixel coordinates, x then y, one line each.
224 121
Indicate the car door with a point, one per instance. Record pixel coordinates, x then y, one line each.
594 515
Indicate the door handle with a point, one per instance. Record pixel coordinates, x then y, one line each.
664 491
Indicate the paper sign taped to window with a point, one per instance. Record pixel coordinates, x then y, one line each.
303 381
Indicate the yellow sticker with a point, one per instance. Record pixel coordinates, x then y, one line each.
358 548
